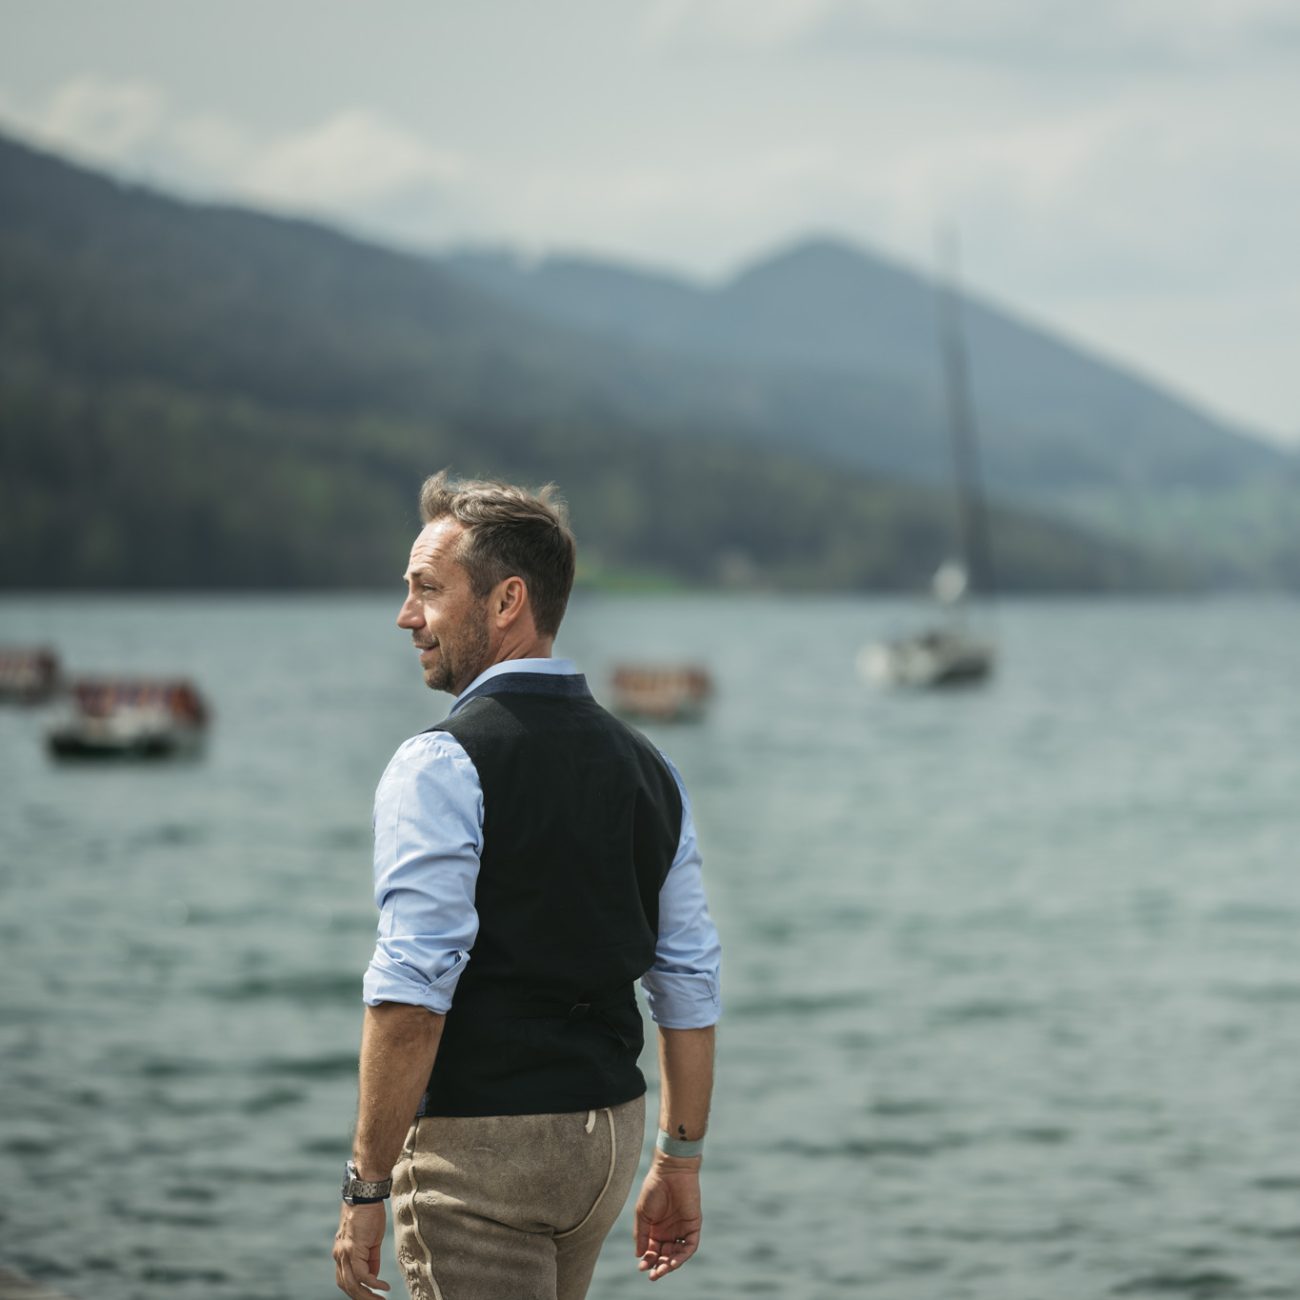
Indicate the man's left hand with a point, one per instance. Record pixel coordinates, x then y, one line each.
356 1250
668 1218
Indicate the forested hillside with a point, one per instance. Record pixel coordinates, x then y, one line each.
205 397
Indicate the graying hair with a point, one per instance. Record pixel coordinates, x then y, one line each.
509 532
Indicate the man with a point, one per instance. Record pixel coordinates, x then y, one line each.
533 858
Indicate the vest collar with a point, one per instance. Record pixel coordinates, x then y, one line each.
570 686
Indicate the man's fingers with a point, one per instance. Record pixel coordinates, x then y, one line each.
347 1283
360 1281
342 1272
647 1231
661 1257
357 1250
366 1278
365 1267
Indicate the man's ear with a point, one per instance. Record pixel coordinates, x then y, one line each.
509 600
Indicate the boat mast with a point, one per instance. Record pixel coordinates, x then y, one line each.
971 513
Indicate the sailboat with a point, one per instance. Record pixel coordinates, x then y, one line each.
949 653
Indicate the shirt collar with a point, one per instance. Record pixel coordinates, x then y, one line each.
550 667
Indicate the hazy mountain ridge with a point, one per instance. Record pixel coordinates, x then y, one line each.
198 394
844 349
829 307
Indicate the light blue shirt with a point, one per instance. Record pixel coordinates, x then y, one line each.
428 840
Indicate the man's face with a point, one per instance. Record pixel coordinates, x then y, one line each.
447 622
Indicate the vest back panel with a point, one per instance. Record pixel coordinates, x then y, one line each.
581 822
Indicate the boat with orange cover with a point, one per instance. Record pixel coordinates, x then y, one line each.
661 693
28 676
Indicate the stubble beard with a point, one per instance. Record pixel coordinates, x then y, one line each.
461 658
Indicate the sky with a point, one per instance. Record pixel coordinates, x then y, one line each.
1126 172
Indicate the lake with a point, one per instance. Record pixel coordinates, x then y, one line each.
1012 976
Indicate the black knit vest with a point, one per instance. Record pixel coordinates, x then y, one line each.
581 821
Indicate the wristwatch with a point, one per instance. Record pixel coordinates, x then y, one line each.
362 1191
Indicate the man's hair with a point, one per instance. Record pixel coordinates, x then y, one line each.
509 532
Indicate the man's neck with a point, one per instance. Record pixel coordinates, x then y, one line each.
535 648
539 650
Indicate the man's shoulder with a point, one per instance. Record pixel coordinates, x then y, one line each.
430 776
490 721
426 749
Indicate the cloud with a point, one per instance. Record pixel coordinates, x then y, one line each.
1109 34
355 156
354 160
99 119
762 24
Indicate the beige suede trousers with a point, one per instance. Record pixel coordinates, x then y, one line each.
512 1207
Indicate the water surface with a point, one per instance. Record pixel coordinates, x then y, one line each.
1012 976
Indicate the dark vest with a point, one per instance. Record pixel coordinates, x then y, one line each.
581 821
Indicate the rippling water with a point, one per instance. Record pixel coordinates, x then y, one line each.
1013 977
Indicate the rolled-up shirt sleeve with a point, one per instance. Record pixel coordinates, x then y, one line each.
428 825
682 987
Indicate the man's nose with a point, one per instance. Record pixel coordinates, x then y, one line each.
409 614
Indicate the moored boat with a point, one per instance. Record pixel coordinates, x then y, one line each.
131 718
938 657
949 654
661 693
946 654
29 676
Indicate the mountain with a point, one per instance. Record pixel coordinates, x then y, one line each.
199 396
833 310
846 344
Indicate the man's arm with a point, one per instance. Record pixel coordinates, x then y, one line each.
428 840
682 989
398 1047
668 1215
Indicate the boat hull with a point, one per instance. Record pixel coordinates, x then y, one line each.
79 746
928 662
